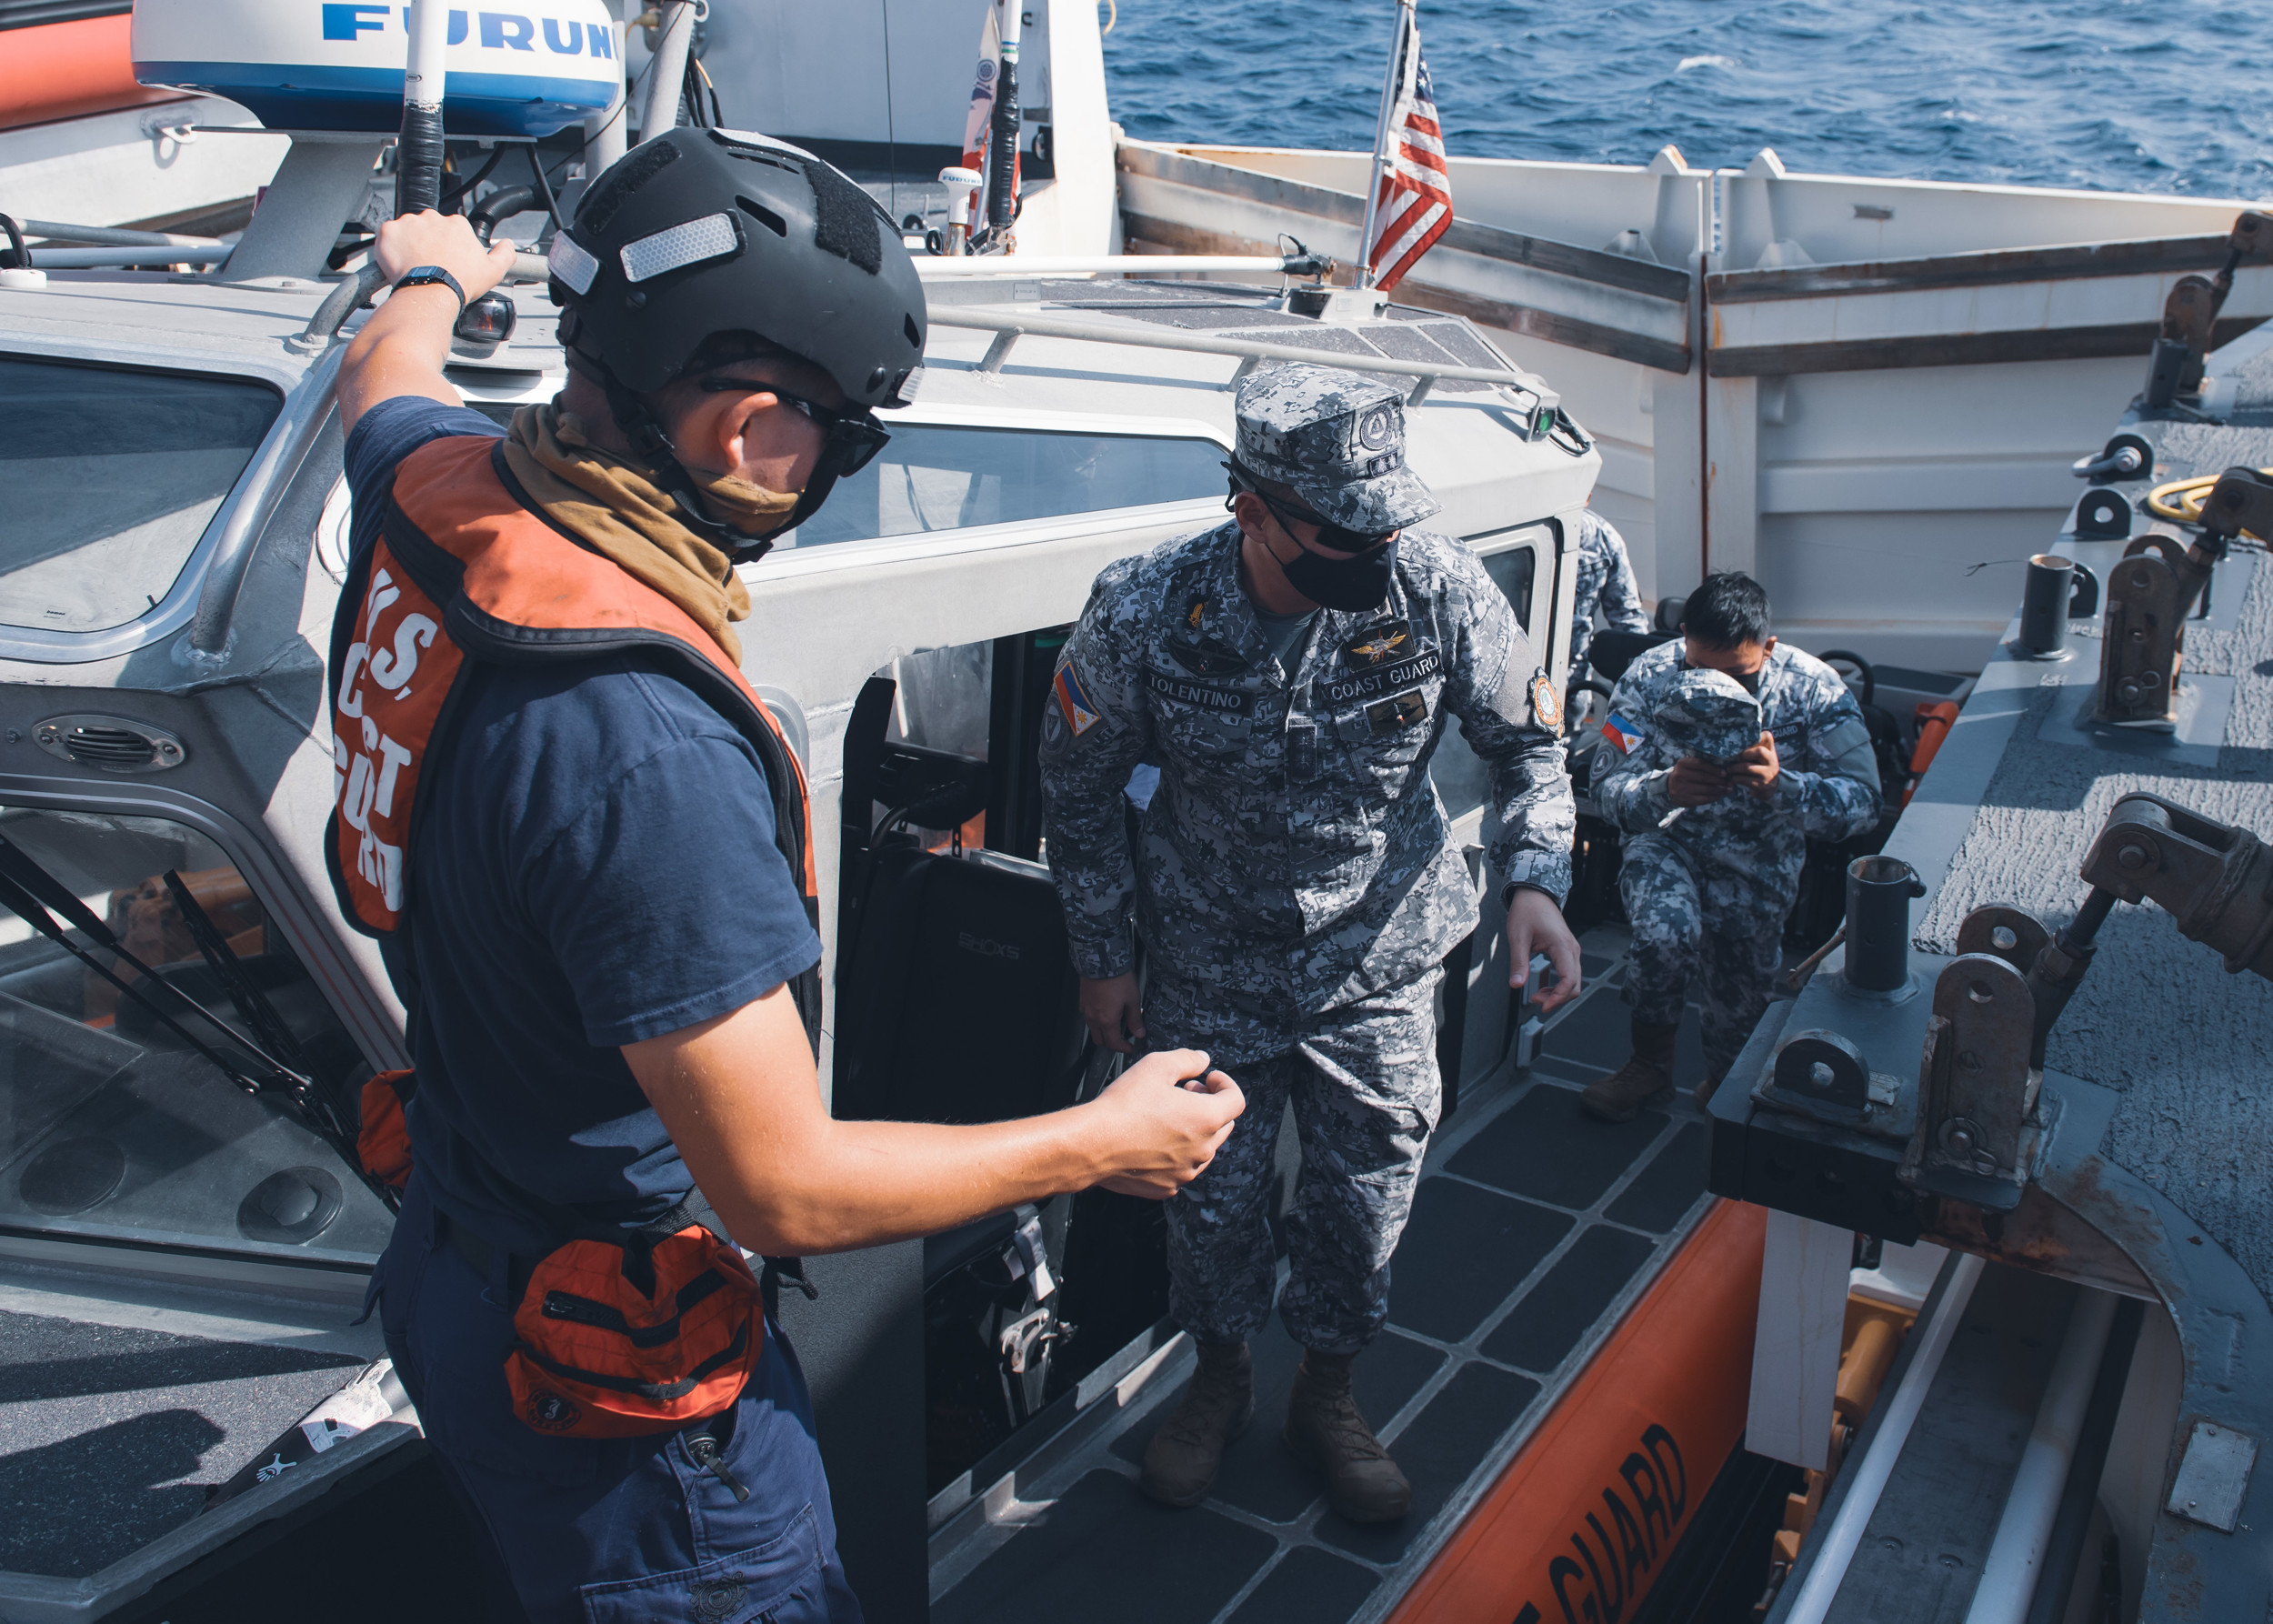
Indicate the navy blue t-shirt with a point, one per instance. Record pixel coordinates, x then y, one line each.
594 865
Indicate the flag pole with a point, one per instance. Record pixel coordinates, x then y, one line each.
1381 141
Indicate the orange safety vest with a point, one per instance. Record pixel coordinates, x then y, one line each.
616 1337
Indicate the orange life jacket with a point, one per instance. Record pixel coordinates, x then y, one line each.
617 1337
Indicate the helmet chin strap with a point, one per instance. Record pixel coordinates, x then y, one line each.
652 445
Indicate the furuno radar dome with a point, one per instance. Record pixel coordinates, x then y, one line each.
528 69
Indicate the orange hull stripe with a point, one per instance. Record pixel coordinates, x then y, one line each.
1648 1426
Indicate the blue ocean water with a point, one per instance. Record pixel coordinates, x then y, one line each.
2144 96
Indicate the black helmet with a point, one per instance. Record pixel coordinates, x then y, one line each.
702 232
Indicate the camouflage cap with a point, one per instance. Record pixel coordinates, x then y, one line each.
1338 439
1709 714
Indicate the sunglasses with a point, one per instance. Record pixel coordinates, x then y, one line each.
850 440
1330 534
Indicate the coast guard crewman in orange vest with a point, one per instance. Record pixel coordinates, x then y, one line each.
583 847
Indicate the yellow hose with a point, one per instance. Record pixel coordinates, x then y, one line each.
2182 499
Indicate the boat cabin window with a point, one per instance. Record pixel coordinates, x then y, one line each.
114 1126
937 476
111 478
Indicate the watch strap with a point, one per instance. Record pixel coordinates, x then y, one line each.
431 276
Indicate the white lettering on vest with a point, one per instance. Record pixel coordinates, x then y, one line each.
393 671
350 701
384 591
393 758
381 865
354 801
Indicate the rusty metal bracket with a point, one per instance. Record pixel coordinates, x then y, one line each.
2214 881
2191 310
1821 1075
1977 1132
2155 589
2011 933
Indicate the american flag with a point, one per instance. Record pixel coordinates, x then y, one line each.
1414 206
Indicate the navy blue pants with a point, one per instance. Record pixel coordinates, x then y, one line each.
611 1531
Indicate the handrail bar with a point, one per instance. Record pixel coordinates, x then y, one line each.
55 231
306 412
1138 265
1046 327
132 256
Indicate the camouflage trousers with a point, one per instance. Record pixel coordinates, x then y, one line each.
1366 1091
1729 937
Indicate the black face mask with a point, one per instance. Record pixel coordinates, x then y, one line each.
1351 584
1750 680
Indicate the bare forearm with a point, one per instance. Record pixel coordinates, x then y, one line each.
836 1186
401 350
739 1098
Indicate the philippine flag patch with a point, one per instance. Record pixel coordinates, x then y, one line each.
1080 713
1622 733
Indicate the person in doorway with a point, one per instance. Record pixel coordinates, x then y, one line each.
1606 582
581 842
1714 849
1288 674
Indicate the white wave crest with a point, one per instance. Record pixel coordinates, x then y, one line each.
1687 62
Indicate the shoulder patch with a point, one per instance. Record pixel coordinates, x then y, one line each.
1547 706
1081 714
1624 733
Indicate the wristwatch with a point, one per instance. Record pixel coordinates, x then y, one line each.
429 275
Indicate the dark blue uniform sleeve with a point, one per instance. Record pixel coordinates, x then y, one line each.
383 435
667 900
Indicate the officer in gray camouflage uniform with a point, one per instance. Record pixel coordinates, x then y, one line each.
1289 673
1717 829
1606 581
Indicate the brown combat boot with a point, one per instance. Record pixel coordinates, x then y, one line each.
1181 1460
1326 1434
1646 1079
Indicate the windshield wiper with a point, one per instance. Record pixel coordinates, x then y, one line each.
25 887
253 1006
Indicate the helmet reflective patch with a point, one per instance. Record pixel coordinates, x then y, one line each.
570 262
713 236
730 139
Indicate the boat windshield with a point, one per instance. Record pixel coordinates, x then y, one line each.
938 477
112 476
114 1126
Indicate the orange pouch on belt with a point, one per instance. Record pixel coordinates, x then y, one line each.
646 1335
383 1144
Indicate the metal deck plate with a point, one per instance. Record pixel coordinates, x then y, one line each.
2213 1475
2204 704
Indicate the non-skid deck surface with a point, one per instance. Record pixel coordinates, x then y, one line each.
1532 1226
111 1436
2158 1019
